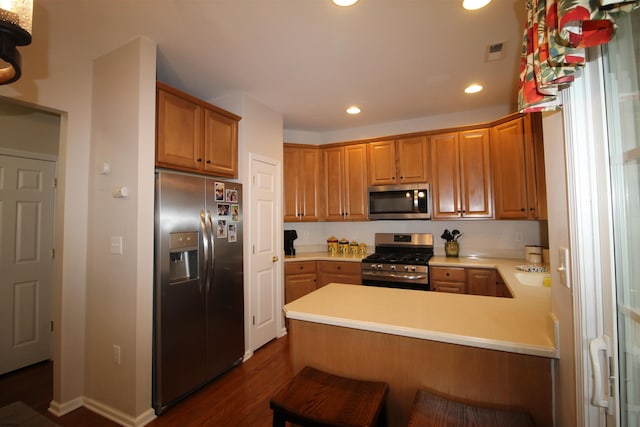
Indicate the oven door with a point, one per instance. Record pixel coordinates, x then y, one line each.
418 280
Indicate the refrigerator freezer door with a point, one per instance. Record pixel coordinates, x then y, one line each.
179 308
225 296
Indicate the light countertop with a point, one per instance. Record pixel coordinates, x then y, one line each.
522 324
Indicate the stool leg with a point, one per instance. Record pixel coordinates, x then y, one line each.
382 419
278 421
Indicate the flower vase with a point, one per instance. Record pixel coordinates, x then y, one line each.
451 249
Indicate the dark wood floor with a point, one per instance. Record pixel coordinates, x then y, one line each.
239 398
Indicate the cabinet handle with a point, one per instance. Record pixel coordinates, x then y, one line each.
199 160
208 162
447 274
522 209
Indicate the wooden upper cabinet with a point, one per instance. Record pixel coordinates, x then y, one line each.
412 160
518 169
301 183
461 175
179 131
475 174
345 182
399 161
195 136
381 156
220 144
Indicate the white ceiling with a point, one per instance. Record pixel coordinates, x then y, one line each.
309 59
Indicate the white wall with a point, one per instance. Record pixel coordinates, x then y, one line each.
25 129
561 297
120 287
260 133
480 238
420 124
57 78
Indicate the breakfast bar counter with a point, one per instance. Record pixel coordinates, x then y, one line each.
479 349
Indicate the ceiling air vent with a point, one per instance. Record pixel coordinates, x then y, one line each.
495 51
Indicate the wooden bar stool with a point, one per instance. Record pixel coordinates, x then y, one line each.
430 410
314 398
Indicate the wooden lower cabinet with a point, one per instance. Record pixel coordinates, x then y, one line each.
300 278
481 281
473 281
303 277
448 279
339 272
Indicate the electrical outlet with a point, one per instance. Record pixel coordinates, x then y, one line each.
563 266
116 354
518 236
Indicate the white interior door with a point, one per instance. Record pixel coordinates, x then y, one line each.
266 237
26 242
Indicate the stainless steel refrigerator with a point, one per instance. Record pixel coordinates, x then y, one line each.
198 292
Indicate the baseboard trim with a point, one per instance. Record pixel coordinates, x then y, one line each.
59 409
119 416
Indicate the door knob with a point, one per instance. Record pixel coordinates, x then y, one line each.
274 259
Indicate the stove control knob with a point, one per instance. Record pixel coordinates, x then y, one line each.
392 267
413 268
379 266
406 268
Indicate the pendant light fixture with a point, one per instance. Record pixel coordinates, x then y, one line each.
15 30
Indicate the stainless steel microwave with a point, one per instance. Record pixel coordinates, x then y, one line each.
406 201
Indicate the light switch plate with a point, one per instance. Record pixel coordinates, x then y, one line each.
563 266
116 245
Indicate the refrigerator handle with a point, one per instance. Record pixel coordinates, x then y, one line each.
205 244
211 233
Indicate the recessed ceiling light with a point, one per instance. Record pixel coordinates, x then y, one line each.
473 88
474 4
353 110
345 3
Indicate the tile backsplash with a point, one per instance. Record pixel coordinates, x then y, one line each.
502 239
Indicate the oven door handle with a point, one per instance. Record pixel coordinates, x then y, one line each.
385 274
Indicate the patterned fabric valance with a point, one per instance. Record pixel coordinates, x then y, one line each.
555 36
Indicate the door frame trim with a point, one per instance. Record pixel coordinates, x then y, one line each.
590 227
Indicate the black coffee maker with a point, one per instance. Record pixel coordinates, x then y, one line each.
289 237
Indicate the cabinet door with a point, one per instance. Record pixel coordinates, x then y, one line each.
510 170
301 182
298 285
481 281
291 184
220 144
333 159
412 160
450 287
355 182
445 175
381 162
475 174
179 132
339 272
308 190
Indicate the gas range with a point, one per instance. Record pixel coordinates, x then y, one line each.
399 261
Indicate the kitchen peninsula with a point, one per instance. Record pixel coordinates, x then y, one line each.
479 349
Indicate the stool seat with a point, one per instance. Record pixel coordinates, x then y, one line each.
431 410
316 398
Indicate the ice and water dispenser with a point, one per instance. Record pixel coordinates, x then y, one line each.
183 253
